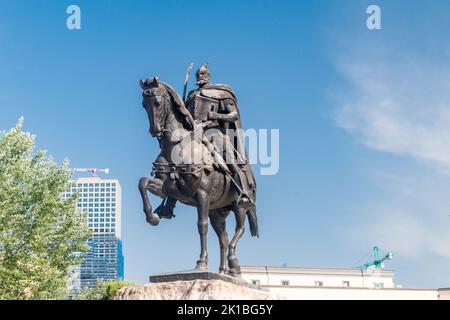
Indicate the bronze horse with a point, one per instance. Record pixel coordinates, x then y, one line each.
202 185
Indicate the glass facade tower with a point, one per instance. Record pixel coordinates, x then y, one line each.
99 202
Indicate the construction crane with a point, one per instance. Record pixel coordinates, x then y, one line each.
378 261
94 171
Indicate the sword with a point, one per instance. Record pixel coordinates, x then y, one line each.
239 188
186 79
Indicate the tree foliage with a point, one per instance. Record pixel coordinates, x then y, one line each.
103 290
41 234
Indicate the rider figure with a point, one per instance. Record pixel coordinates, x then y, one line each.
216 104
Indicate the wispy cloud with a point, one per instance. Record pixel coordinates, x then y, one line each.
401 105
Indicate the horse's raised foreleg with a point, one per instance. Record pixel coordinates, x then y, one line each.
233 262
202 199
155 187
218 222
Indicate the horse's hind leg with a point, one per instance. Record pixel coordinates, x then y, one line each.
218 222
202 199
233 262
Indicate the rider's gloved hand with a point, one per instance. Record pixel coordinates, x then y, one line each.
213 116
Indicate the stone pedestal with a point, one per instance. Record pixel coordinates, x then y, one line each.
192 285
200 275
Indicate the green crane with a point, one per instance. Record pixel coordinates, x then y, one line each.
378 261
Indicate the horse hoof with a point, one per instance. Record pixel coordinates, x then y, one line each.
223 271
153 219
233 262
201 266
235 272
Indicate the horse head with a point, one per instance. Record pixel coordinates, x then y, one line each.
155 101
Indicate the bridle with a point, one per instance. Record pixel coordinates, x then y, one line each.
161 92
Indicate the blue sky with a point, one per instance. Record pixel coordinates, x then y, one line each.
364 118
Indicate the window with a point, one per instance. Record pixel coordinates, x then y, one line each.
378 285
256 282
284 282
318 283
346 283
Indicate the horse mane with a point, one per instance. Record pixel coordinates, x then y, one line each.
178 101
174 94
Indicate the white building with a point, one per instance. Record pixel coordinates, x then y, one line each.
318 277
335 284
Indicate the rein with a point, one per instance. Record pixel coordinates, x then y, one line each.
174 170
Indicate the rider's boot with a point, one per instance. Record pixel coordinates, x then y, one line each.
165 209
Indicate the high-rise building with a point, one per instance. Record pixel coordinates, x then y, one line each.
99 202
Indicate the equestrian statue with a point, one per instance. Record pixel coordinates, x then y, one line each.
202 162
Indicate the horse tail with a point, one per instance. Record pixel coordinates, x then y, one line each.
253 221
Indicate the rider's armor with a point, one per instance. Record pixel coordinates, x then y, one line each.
216 104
